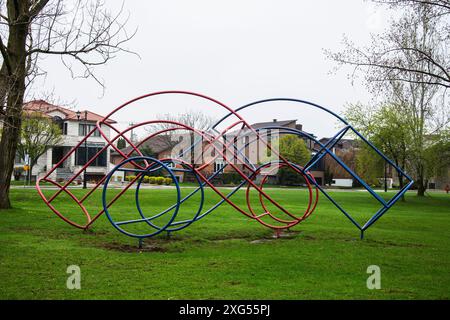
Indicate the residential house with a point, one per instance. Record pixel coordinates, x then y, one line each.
162 146
74 128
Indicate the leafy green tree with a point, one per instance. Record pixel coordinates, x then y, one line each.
395 132
388 130
293 149
121 143
369 165
147 151
38 133
437 155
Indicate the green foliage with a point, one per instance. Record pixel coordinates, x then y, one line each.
230 178
437 155
410 128
121 144
130 178
38 133
289 177
388 130
293 149
147 151
369 165
151 179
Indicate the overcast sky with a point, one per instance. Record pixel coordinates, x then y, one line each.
235 51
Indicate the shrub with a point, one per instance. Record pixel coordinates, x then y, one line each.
152 180
230 178
289 177
119 178
146 179
129 178
167 181
160 180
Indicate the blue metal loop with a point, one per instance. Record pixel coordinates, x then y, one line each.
181 224
152 162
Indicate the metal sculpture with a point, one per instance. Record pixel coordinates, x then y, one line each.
136 162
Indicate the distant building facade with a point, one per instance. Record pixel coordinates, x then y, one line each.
73 130
212 160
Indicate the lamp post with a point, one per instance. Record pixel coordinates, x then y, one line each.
84 132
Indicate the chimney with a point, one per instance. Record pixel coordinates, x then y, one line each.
274 120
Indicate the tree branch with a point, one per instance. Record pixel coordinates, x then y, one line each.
5 56
37 7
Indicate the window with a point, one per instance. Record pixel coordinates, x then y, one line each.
269 143
65 129
80 156
218 165
59 122
84 129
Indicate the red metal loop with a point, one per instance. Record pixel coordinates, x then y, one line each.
210 140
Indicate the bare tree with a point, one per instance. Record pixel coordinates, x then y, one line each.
410 65
390 57
192 118
439 6
81 33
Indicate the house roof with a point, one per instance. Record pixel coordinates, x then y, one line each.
347 142
162 143
46 108
259 125
157 144
274 123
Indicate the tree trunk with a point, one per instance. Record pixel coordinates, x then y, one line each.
18 29
3 88
401 185
421 187
8 144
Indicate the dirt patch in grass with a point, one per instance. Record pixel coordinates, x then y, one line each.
146 247
373 242
285 235
366 241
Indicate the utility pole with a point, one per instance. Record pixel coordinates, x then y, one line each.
131 124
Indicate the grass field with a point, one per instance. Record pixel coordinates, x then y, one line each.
226 255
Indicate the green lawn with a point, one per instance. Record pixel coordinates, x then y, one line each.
218 257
